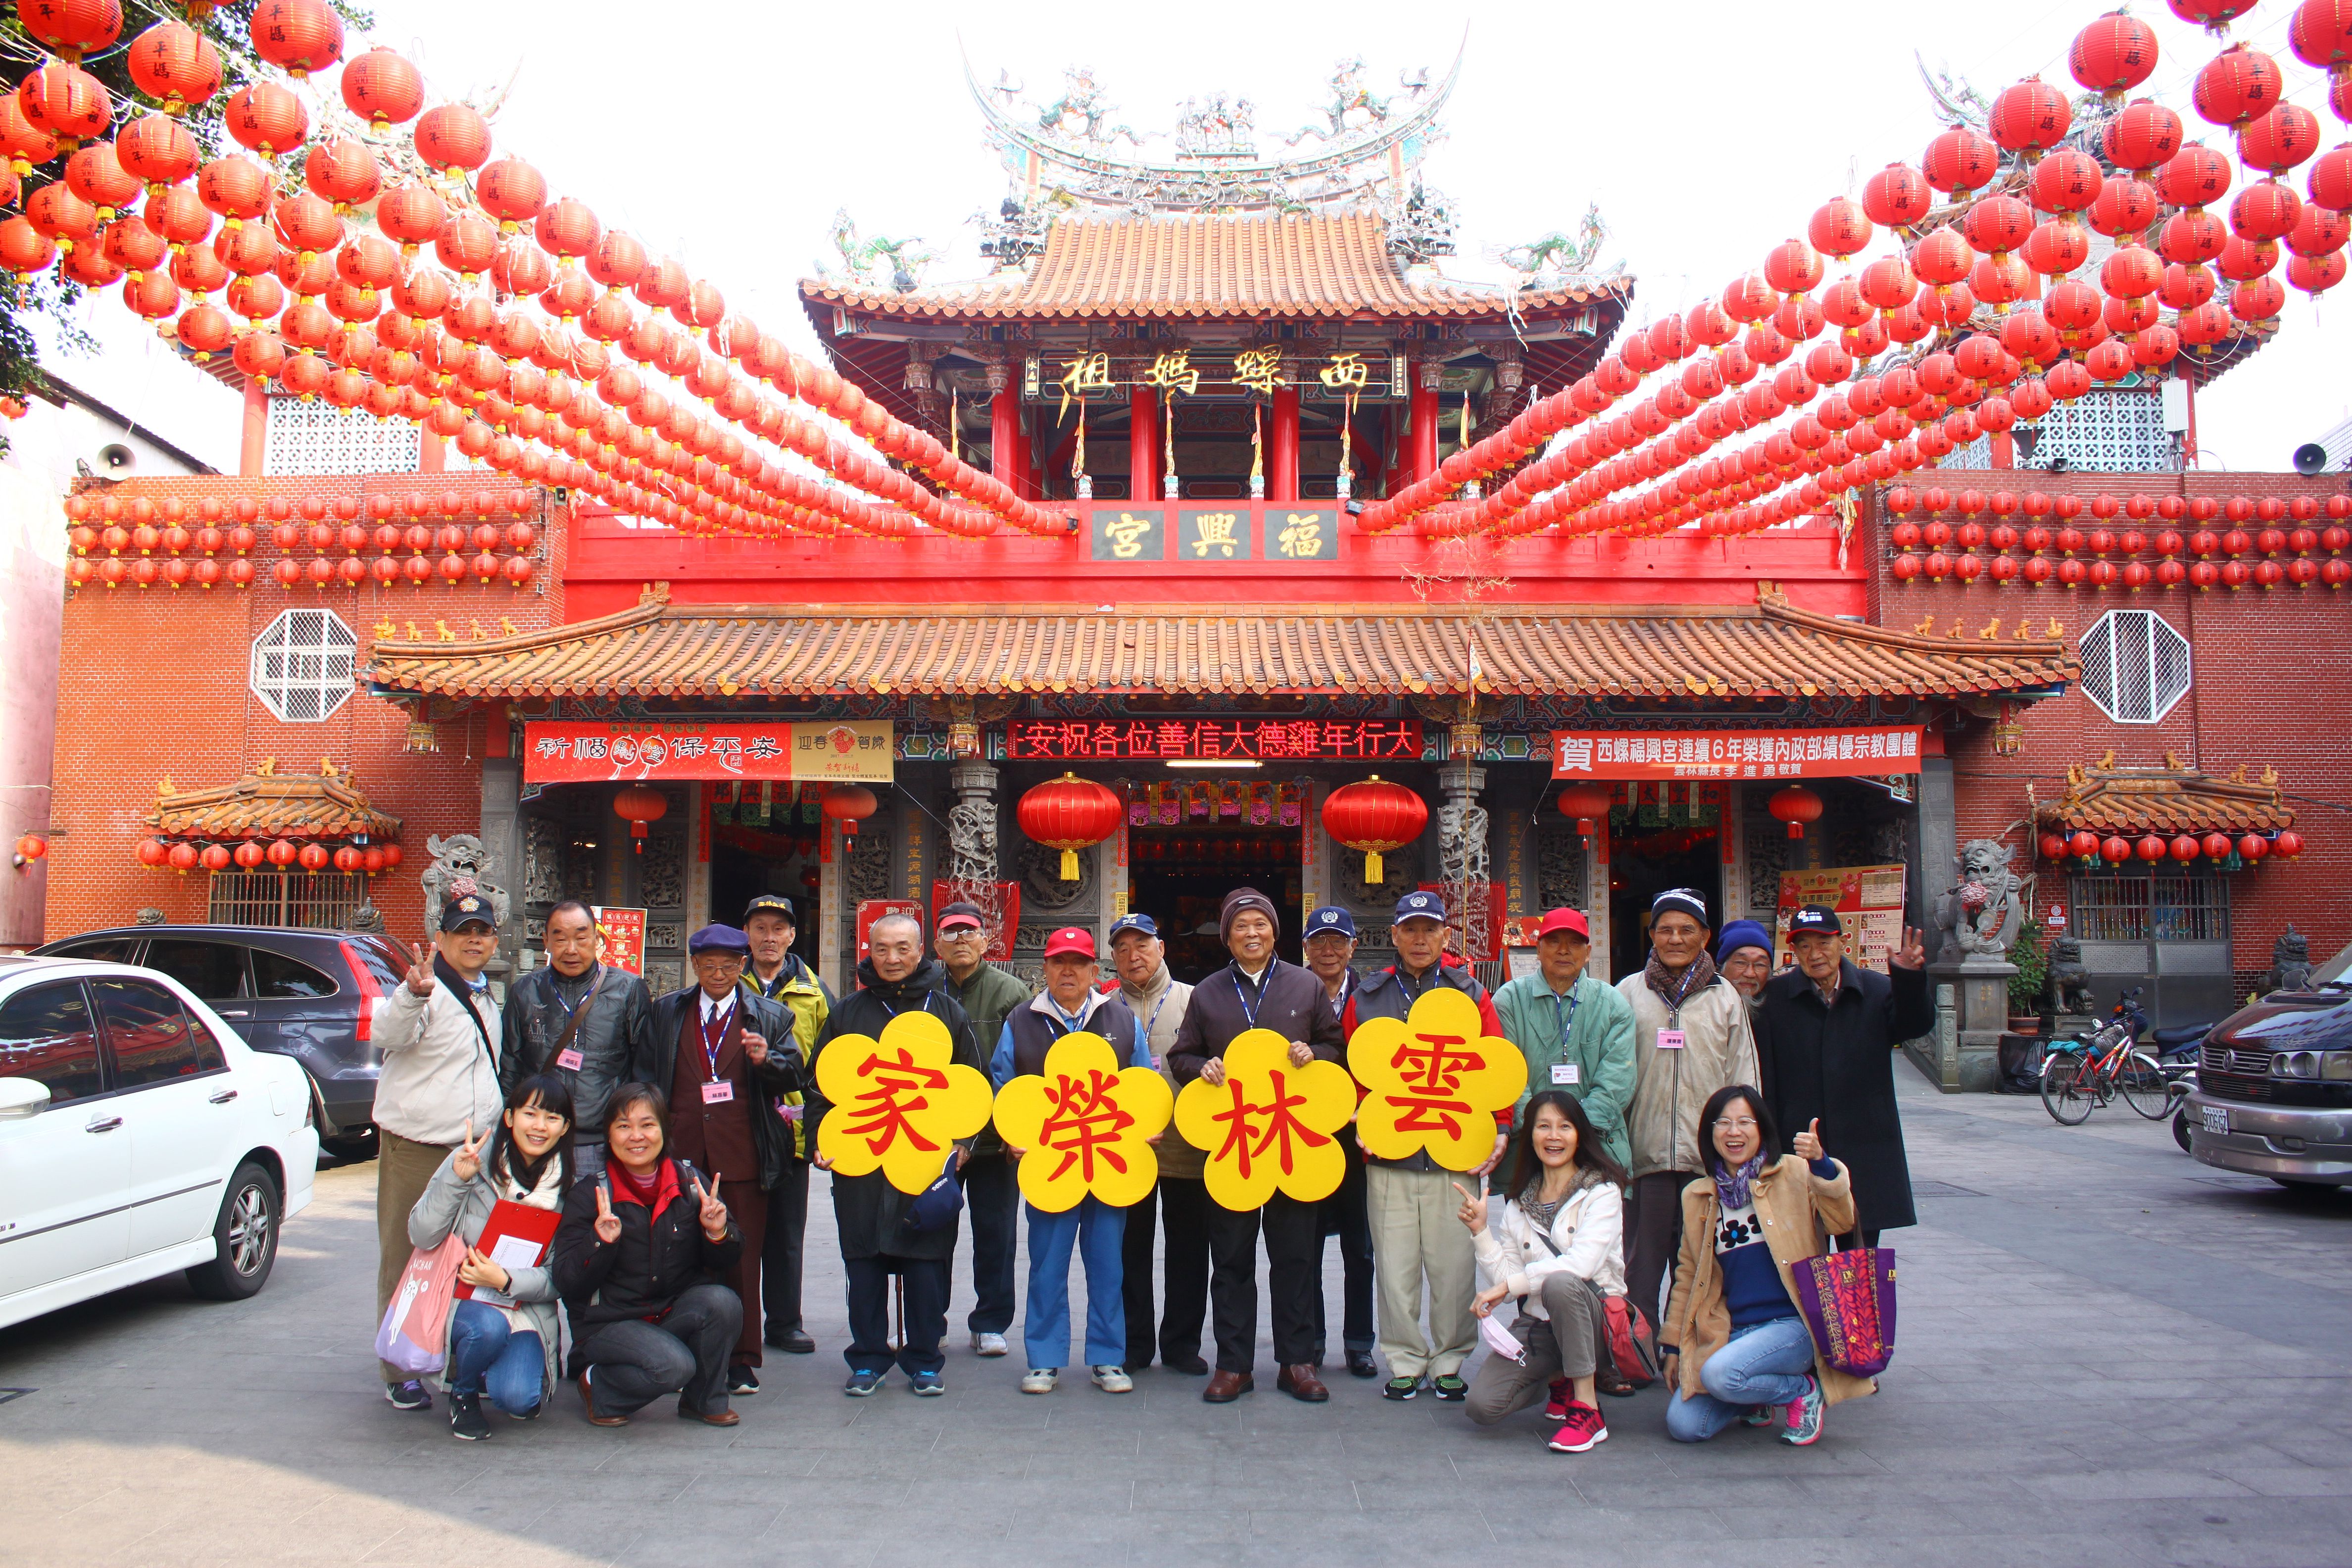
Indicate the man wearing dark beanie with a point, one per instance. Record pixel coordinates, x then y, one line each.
1259 991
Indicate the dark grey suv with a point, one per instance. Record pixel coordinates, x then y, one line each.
302 994
2274 1093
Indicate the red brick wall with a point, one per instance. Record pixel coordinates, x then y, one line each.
2271 671
155 683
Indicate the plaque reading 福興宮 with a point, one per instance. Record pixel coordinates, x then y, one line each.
1137 534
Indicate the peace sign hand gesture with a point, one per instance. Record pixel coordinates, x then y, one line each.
1912 953
1807 1145
469 1162
608 1224
714 1212
420 972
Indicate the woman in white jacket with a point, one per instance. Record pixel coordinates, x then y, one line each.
1559 1248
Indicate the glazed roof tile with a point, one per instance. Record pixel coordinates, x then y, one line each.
666 650
271 805
1226 264
2168 798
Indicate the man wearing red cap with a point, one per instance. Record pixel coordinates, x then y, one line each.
1575 1031
1071 1004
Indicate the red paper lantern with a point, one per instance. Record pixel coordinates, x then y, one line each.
641 806
2184 848
249 854
2084 844
214 857
347 860
1796 806
314 858
2149 848
184 857
2052 847
1588 804
2115 849
850 803
2216 846
1377 816
2289 843
1068 814
283 852
152 852
2253 847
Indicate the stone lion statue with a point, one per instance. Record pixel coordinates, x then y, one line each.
461 864
1981 914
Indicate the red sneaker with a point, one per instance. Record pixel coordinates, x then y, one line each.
1556 1408
1579 1430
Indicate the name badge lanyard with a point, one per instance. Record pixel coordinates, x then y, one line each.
711 1044
1250 1009
1339 1003
1567 1021
595 979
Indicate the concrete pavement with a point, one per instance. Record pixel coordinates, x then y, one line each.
2108 1354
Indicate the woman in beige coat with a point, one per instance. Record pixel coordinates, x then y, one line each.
1736 1347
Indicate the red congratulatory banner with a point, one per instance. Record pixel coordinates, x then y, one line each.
1773 754
854 751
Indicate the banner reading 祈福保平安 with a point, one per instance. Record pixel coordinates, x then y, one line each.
854 751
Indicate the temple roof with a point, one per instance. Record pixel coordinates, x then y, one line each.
2172 797
266 803
1769 650
1201 265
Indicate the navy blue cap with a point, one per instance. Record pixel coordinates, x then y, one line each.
468 909
1143 923
1420 907
1332 917
718 939
1816 917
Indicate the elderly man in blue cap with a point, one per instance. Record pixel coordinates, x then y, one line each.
725 1058
1330 953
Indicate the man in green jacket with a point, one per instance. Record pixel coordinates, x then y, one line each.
1576 1032
991 1186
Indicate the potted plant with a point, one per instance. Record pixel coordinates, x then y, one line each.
2025 986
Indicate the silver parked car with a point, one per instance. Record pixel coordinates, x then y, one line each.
2273 1094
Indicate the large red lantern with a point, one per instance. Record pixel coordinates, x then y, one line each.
1588 803
1377 816
282 852
184 857
2216 846
641 806
2289 843
1796 806
152 852
2150 848
1070 813
2054 847
2253 847
2084 844
249 854
314 858
2115 849
214 857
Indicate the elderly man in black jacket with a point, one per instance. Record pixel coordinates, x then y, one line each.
579 1019
876 1239
1826 1032
1259 991
725 1058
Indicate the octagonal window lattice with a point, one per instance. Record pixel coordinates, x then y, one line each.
303 665
2134 665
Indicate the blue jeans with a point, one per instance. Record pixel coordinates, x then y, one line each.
487 1356
1096 1229
1767 1364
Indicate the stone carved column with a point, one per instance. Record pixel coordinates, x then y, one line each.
971 867
1462 849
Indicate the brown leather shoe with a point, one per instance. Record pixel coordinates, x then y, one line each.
1300 1382
588 1401
710 1418
1224 1387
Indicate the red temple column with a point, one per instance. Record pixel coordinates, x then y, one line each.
1282 451
1008 455
1421 451
1143 443
254 438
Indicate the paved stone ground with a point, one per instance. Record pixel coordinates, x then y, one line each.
2109 1354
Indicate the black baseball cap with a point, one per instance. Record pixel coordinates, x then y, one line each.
468 909
771 904
1816 917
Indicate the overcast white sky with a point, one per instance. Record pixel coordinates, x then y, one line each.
729 133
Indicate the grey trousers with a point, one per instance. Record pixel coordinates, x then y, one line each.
686 1353
1571 1345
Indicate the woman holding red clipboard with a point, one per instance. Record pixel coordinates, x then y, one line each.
503 1191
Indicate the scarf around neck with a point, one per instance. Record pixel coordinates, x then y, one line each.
1532 1204
1675 993
1731 1186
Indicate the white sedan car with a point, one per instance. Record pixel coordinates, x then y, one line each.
138 1135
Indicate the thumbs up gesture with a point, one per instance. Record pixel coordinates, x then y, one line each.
1808 1143
608 1224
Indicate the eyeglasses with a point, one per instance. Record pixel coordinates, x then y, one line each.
963 934
1734 1124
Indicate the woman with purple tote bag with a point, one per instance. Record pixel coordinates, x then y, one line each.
1741 1341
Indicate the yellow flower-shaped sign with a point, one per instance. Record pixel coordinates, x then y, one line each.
1083 1125
1269 1125
1434 1082
897 1103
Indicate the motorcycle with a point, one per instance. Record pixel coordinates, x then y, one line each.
2177 1052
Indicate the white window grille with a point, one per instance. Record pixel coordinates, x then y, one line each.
316 437
2134 665
303 664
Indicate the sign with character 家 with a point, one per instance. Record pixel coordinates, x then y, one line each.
1269 1126
1433 1082
1084 1126
899 1103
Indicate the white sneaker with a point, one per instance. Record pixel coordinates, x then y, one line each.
1039 1379
988 1344
1113 1380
